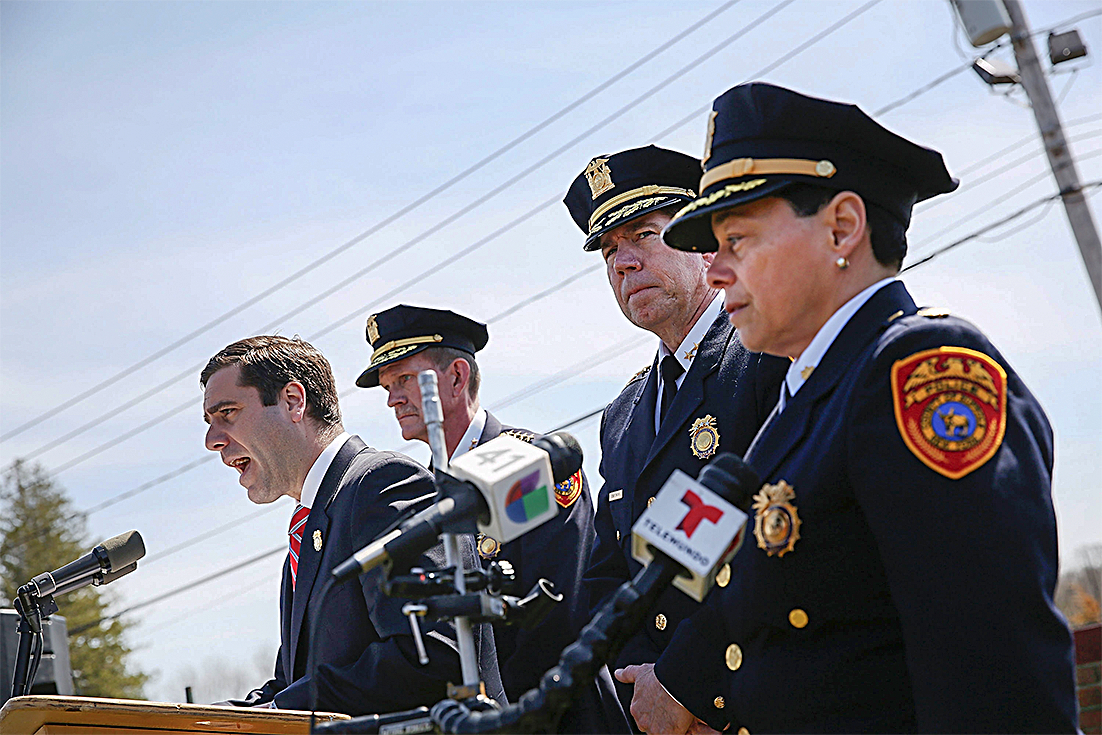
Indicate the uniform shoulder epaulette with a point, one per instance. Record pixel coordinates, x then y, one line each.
641 374
524 436
933 312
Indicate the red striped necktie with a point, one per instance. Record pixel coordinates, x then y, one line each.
298 521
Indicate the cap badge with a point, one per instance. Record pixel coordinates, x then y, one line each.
950 408
599 176
776 522
372 330
317 539
704 437
711 135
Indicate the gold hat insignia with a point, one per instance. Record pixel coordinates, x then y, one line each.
776 522
704 437
599 176
372 330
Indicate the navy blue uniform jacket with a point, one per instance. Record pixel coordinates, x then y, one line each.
557 550
368 662
911 601
736 387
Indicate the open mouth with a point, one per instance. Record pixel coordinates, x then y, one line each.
240 464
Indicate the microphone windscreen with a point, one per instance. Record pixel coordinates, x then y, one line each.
729 476
565 453
124 549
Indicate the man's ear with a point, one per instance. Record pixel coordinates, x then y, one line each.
846 217
708 258
458 375
293 400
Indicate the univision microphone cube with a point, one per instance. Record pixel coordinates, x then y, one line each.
692 525
515 478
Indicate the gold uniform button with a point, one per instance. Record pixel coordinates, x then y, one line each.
660 621
734 657
719 703
743 731
724 577
650 501
798 618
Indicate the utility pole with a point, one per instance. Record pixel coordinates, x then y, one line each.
1059 157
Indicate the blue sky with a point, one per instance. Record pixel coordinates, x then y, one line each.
160 163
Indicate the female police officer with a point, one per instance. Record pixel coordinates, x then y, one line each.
904 556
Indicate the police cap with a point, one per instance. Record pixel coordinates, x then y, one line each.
763 138
402 330
614 189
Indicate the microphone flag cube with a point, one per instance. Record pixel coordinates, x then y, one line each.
515 479
693 526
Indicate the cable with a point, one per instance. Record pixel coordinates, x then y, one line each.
188 543
374 228
507 184
993 225
921 90
467 209
181 589
581 419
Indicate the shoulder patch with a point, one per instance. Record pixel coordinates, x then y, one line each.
950 407
641 374
567 491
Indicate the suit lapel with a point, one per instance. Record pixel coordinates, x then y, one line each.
782 433
690 395
309 559
639 433
491 430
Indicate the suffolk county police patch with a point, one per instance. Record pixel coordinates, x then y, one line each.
950 407
567 491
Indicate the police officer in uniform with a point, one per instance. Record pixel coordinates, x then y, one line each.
407 340
704 392
901 572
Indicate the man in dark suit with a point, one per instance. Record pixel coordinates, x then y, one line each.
906 555
271 404
407 340
703 394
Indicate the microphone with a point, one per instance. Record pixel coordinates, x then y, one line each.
699 524
111 558
505 487
693 527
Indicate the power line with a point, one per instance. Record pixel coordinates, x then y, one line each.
507 184
993 225
181 589
459 214
374 228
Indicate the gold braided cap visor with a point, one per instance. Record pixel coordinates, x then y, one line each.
653 191
740 167
401 346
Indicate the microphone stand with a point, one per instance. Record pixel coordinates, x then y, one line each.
434 423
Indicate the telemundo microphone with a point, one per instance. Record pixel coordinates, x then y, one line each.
114 558
505 488
699 524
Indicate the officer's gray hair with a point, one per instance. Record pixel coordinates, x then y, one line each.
443 357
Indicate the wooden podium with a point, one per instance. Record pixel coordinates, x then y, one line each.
53 715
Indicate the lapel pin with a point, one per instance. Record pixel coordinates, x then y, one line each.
317 539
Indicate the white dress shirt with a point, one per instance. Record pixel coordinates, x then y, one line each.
686 351
312 483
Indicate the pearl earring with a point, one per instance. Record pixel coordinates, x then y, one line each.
842 263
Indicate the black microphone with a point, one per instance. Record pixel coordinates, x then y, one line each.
487 480
622 615
113 555
98 579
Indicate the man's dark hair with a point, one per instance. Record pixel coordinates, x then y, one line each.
270 362
888 235
442 357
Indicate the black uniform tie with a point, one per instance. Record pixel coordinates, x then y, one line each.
671 371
